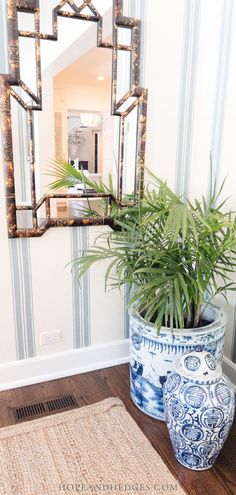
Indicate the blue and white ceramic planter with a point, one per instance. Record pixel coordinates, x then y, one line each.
153 356
199 409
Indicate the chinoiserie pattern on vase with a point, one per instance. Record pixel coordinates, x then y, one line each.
153 355
199 409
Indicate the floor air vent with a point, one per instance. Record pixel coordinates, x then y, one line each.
62 403
44 408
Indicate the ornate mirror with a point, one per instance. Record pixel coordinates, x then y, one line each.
78 100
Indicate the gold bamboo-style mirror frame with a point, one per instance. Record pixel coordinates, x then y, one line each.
9 81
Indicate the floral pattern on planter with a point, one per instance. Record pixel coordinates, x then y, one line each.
153 356
199 409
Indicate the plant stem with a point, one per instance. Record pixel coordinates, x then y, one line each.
197 317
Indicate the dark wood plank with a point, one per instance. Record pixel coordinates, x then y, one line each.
98 385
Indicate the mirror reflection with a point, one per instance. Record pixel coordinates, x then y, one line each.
75 123
84 126
85 141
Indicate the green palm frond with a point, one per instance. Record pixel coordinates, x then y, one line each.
169 251
67 176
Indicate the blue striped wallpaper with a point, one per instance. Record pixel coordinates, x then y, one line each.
76 291
22 298
84 244
187 94
221 85
20 249
81 294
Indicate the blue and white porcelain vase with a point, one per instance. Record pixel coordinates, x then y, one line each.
199 409
152 356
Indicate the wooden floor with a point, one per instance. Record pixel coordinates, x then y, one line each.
98 385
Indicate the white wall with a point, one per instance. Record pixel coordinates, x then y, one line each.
190 56
38 291
190 73
68 31
90 98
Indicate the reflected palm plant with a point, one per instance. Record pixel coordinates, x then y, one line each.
66 176
175 255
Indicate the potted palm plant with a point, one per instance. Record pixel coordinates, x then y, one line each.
174 257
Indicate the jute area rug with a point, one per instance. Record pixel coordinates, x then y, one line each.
93 449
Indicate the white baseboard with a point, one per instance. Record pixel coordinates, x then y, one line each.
50 367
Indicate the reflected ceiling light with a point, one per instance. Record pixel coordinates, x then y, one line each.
90 119
101 78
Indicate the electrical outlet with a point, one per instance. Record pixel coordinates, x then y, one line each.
48 338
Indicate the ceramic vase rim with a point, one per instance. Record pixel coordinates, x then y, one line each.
219 322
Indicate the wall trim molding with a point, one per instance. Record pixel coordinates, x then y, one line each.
229 369
39 369
25 372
